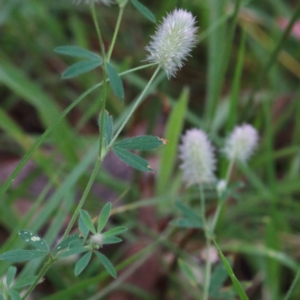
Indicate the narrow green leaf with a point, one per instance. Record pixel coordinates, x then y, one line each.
81 67
115 231
172 134
144 10
76 244
217 280
189 213
111 240
186 269
108 127
72 252
83 228
107 264
103 218
76 51
21 255
65 243
11 273
132 160
145 142
84 215
32 239
23 282
14 295
186 223
82 263
115 82
237 286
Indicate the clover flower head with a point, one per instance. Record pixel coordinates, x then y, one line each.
173 41
198 159
90 2
97 239
241 143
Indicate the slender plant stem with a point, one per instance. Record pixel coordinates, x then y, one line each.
207 239
93 12
84 196
40 140
122 7
102 155
104 88
137 103
45 268
293 285
221 201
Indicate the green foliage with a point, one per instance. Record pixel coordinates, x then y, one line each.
108 127
245 68
92 60
188 272
80 68
172 134
132 160
237 285
21 255
191 220
86 219
103 217
144 10
76 51
33 240
145 142
82 263
115 82
107 264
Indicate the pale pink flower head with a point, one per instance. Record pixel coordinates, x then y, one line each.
198 159
241 143
173 41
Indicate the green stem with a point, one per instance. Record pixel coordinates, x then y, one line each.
104 89
84 196
45 268
40 140
137 103
93 12
207 239
122 7
221 202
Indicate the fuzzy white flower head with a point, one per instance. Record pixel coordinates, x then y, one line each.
221 187
97 239
197 155
173 41
241 143
89 2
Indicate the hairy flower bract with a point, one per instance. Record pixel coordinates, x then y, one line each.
241 143
197 155
173 41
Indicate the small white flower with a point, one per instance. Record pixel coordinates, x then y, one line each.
241 143
221 187
197 155
173 41
89 2
97 239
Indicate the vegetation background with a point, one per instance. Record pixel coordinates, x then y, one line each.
245 69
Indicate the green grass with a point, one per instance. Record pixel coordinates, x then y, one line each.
243 70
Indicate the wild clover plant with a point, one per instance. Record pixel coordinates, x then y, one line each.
169 47
199 166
